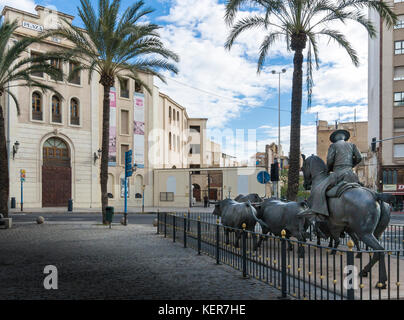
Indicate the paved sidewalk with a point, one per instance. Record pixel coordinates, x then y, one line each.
117 210
131 262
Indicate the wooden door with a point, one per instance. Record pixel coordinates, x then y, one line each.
56 186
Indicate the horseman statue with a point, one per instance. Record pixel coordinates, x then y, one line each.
342 157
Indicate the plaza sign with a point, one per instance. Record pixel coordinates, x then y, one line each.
32 26
394 188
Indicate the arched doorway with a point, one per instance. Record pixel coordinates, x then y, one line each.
56 173
196 192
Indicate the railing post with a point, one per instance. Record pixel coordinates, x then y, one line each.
189 219
165 224
244 236
185 230
199 235
173 228
217 242
283 265
350 264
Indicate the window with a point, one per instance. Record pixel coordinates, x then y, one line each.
195 149
195 128
124 88
178 143
399 123
74 112
398 47
124 148
74 74
398 99
400 22
124 122
36 106
56 110
56 63
173 115
399 73
169 141
166 196
169 114
398 150
178 117
33 56
138 87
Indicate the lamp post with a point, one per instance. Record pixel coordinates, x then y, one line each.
279 124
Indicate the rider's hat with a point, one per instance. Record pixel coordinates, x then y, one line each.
344 132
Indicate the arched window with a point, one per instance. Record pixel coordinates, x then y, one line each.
173 115
178 143
56 109
36 106
178 117
169 141
74 112
56 153
169 114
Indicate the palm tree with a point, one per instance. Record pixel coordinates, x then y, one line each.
16 71
299 22
112 45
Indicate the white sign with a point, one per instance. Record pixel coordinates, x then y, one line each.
32 26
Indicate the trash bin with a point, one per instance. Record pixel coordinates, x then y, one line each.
13 203
70 205
109 214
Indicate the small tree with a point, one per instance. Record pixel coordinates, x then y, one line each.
16 71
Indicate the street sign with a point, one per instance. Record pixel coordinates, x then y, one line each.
22 175
263 177
128 163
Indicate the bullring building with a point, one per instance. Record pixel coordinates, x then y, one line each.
57 138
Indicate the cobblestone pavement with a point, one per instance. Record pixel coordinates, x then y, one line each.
131 262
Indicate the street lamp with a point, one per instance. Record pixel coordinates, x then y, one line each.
279 121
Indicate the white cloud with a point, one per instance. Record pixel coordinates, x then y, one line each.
341 113
25 5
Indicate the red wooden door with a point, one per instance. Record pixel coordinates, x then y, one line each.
56 186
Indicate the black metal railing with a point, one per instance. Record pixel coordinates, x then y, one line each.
301 270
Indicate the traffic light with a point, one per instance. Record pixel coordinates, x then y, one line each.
373 144
274 172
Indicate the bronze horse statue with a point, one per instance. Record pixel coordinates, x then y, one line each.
358 211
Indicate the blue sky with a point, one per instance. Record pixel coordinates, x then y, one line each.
230 93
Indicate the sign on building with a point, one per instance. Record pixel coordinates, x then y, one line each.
32 26
138 129
112 128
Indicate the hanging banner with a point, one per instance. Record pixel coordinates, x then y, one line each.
112 128
138 131
123 187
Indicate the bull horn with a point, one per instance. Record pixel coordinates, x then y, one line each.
304 157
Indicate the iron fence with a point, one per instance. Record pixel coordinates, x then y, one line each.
303 270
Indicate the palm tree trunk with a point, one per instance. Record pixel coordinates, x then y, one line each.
294 155
4 177
105 152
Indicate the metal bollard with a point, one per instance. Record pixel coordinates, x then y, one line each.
174 228
158 221
185 230
199 235
70 205
165 224
217 242
244 235
350 262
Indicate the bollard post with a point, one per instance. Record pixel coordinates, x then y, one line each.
350 263
158 221
173 228
244 236
199 235
165 224
283 265
217 242
185 230
189 219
